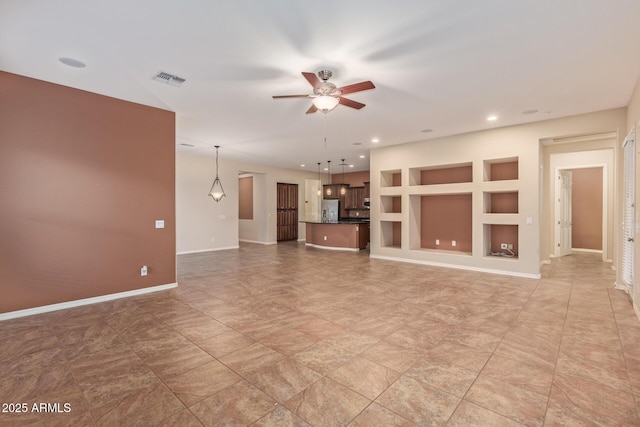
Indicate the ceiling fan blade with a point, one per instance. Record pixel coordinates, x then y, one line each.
290 96
357 87
312 79
312 109
351 103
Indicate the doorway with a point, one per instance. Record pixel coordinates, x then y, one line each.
287 212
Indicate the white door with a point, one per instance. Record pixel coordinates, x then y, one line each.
628 222
564 214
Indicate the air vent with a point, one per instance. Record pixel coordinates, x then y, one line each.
169 79
184 144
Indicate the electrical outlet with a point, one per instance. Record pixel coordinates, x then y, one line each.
510 246
325 237
437 241
453 243
503 246
143 270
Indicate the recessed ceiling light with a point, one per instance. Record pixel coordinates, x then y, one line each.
426 130
351 166
326 169
375 140
302 166
529 111
71 62
362 156
492 118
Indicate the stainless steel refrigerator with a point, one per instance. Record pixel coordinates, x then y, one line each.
330 210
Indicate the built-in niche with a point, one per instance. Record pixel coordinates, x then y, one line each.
390 204
501 169
441 174
445 221
500 202
391 234
391 178
497 236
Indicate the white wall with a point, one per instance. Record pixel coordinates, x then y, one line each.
204 225
521 141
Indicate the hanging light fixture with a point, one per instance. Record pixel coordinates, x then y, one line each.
319 181
343 185
325 103
216 192
328 192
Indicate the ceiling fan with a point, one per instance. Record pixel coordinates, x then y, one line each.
326 96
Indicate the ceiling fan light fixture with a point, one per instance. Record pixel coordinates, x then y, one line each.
325 103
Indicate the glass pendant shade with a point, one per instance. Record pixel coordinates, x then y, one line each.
325 103
216 192
319 182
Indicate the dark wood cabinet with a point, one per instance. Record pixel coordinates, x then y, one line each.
331 191
354 198
287 214
367 190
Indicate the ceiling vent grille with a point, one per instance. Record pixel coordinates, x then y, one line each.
169 79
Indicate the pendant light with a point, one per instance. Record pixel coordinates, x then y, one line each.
319 181
216 192
328 192
343 185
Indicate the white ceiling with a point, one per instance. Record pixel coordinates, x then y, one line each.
441 65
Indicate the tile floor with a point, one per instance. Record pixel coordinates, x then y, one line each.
289 336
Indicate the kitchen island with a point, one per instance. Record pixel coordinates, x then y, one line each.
346 235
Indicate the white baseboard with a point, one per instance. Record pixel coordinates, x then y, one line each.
332 248
637 311
545 261
85 301
460 267
199 251
592 251
255 241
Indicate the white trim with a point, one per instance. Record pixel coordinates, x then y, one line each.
255 241
545 262
593 251
332 248
459 267
637 310
621 286
207 250
84 301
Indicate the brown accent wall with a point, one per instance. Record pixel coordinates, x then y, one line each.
504 202
83 178
504 171
586 208
397 179
245 197
447 218
338 235
354 179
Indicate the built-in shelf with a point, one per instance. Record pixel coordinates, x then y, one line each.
391 178
441 174
497 234
391 234
500 202
501 169
390 204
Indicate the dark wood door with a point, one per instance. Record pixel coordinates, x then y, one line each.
287 215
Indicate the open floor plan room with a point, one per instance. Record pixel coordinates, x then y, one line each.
284 335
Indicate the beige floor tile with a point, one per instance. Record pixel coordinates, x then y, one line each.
459 354
323 357
238 405
289 341
529 377
392 356
251 358
365 377
225 343
280 417
327 403
467 414
283 379
201 382
453 379
418 402
353 342
512 401
574 401
376 415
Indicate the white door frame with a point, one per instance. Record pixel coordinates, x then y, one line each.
556 217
